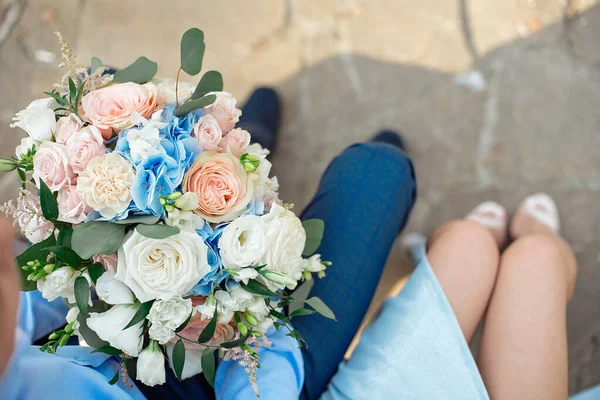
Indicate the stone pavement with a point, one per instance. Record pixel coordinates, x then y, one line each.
496 99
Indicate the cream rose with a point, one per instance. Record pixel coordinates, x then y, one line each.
286 238
243 243
51 164
235 142
71 207
112 107
105 184
84 145
66 127
166 91
162 268
221 184
224 111
208 132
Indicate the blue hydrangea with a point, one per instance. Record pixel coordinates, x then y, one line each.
211 238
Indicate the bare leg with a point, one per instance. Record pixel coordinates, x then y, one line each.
523 350
464 256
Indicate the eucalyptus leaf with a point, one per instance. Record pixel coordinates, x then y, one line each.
178 358
97 238
195 104
208 365
67 255
320 307
96 270
139 219
314 235
96 63
65 235
192 51
158 231
48 202
142 70
140 314
255 287
212 81
82 295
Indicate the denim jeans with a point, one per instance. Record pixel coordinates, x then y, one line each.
365 198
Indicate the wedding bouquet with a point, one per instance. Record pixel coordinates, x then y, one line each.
156 220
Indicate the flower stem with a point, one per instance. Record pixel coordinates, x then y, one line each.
177 88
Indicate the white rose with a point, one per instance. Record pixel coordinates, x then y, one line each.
224 111
166 91
37 119
184 220
166 316
27 145
286 238
243 242
51 165
187 202
60 283
112 290
208 132
162 268
151 366
105 184
109 326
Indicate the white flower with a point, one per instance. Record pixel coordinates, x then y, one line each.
151 366
224 111
193 361
224 312
243 242
313 264
105 184
109 326
187 202
112 290
184 220
243 275
60 283
246 301
162 268
71 317
166 316
286 238
261 176
37 119
27 144
166 91
144 139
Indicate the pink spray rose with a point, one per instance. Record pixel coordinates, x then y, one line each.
208 132
223 188
235 142
84 145
224 111
51 164
109 261
71 207
66 127
112 107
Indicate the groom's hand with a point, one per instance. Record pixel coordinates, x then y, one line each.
10 285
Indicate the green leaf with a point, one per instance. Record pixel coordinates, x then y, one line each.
131 366
79 94
82 295
209 330
139 219
301 312
178 358
235 343
35 252
192 51
72 90
208 365
65 235
140 314
142 70
96 270
22 177
256 287
97 238
314 235
195 104
59 99
96 63
320 307
89 335
279 316
67 255
115 378
158 231
212 81
108 350
48 202
7 165
183 325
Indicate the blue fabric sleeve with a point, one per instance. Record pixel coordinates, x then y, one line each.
38 317
281 375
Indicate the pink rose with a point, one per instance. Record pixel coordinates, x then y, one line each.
71 207
66 127
223 109
84 145
208 132
109 261
51 164
112 107
195 326
235 142
221 184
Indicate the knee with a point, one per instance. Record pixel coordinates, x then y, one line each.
468 234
